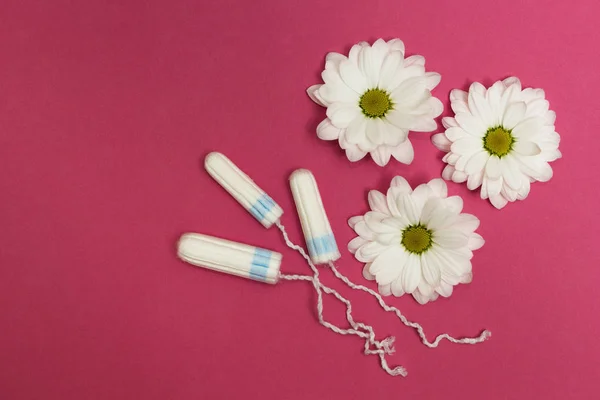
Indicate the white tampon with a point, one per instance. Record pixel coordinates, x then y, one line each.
320 241
230 257
243 189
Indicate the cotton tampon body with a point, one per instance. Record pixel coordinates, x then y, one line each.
320 241
243 189
230 257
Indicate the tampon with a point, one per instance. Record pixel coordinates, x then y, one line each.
243 189
320 241
230 257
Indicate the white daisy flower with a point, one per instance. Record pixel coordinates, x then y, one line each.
374 97
501 139
416 242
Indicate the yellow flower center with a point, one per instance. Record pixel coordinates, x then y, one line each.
498 141
416 238
375 103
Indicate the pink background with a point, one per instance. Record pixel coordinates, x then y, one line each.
106 111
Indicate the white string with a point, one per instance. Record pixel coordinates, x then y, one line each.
483 336
382 348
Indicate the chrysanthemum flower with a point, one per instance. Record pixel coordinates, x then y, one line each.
501 139
374 97
416 241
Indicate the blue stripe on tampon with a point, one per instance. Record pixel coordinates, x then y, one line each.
262 207
260 264
322 245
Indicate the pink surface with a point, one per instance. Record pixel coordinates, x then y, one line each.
106 111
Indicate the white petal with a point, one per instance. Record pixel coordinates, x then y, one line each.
385 267
361 229
388 239
475 241
326 131
431 270
410 93
366 274
401 183
508 193
494 186
549 118
396 45
514 114
455 133
492 168
414 60
380 50
434 214
411 275
467 278
375 130
369 66
444 289
449 122
333 60
397 287
538 107
526 148
523 191
466 223
356 130
467 145
389 69
528 128
355 52
454 204
438 187
385 290
397 223
352 221
478 104
378 202
437 107
432 80
475 180
425 289
454 265
420 297
313 93
471 124
450 239
355 243
409 209
404 152
421 194
381 155
493 95
342 114
369 251
353 77
498 201
401 119
511 172
459 177
441 142
512 81
447 172
355 154
536 168
393 136
458 101
484 192
374 221
452 158
477 163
